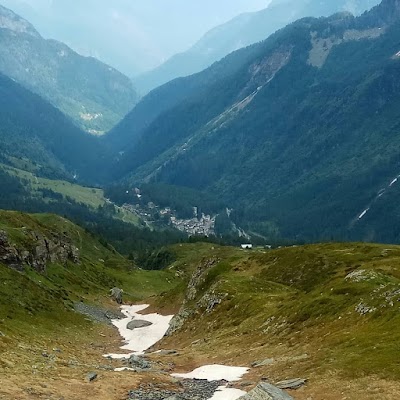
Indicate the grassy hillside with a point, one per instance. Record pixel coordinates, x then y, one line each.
326 312
42 339
91 197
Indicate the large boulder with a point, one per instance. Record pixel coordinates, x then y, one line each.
116 294
266 391
138 323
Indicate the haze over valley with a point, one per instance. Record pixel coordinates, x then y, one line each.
199 200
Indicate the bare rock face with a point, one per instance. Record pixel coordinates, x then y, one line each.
116 294
9 254
266 391
37 251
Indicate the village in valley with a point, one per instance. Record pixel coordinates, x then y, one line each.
199 225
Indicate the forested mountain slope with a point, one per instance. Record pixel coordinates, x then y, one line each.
242 31
33 130
95 95
301 139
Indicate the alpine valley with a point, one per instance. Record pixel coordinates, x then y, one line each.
217 241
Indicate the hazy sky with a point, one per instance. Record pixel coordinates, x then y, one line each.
132 35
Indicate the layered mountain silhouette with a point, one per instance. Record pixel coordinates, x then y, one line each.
242 31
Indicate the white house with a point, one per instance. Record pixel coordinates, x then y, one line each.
246 246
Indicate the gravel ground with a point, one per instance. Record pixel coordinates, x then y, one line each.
191 389
97 314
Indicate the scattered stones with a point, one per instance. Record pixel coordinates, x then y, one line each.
190 389
97 314
91 376
363 309
137 323
139 363
361 275
210 300
291 383
2 334
116 294
265 391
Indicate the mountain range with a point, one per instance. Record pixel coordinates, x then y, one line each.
298 133
93 94
244 30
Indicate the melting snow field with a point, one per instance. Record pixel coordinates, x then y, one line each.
225 393
218 373
215 373
140 339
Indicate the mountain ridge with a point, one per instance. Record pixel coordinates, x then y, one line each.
244 30
95 95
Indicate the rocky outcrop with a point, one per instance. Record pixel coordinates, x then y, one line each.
206 303
266 391
37 251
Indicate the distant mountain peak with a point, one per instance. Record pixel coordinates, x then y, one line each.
387 12
13 22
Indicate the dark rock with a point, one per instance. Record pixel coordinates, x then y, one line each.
265 391
138 323
91 376
291 383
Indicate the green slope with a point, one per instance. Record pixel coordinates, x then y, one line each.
316 311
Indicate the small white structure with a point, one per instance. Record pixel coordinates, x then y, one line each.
246 246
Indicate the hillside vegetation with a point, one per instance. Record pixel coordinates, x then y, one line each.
327 312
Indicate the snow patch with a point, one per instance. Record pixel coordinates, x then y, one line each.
393 182
137 341
215 373
224 393
124 369
363 213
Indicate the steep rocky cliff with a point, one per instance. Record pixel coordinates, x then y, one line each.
38 251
